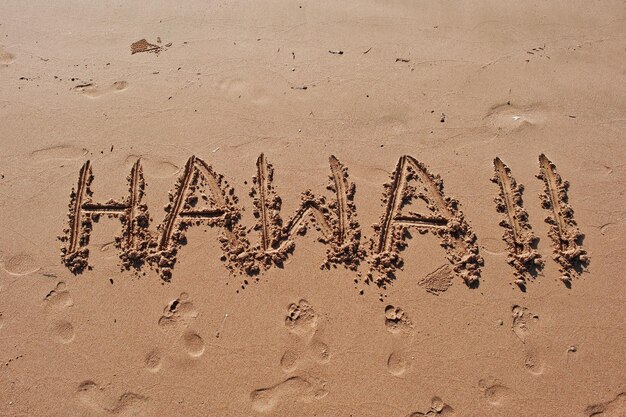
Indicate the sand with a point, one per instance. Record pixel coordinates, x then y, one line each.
334 209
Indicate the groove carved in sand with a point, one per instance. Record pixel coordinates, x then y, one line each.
339 182
566 237
345 248
518 235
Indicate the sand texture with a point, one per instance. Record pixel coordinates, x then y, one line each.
297 208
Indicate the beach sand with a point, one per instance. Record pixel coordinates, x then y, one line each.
301 208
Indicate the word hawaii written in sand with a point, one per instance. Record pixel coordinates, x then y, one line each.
202 197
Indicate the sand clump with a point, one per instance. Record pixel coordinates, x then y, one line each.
143 45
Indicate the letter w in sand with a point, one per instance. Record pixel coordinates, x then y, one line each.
335 221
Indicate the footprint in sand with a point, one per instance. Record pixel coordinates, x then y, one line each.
177 317
153 360
236 88
398 323
533 363
98 402
398 363
56 303
58 298
6 57
306 350
193 343
523 322
20 264
306 347
62 332
494 392
613 408
437 408
93 91
179 312
292 390
301 319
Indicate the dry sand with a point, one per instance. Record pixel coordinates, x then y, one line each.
311 209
